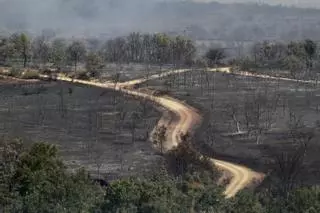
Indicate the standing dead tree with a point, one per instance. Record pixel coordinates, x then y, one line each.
144 108
233 111
116 80
289 163
90 127
134 118
97 156
76 53
210 134
41 105
40 51
260 109
94 123
121 115
202 73
62 108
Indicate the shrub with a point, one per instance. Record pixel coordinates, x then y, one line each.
184 159
36 180
161 93
46 71
83 75
304 200
14 72
136 195
30 74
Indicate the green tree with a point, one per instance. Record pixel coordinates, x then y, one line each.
40 50
6 50
134 43
268 55
183 51
295 65
189 52
304 200
76 53
215 56
296 49
36 180
61 193
115 50
147 46
184 160
159 137
22 46
161 51
310 48
9 155
94 64
42 158
245 202
58 53
210 199
136 195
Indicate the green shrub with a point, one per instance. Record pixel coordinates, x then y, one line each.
145 196
15 72
30 74
36 180
304 200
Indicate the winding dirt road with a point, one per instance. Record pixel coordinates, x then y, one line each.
188 119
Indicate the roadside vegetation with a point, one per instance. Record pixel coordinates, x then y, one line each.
85 59
295 59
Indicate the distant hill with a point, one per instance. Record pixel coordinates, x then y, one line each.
243 22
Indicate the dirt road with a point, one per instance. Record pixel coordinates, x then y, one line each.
248 74
188 119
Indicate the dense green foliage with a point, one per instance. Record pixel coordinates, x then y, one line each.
299 58
214 56
35 180
40 52
88 58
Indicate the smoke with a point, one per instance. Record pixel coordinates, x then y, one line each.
109 18
76 16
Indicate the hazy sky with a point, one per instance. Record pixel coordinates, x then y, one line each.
299 3
92 17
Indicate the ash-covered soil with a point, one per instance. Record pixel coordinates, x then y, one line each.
101 130
286 109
